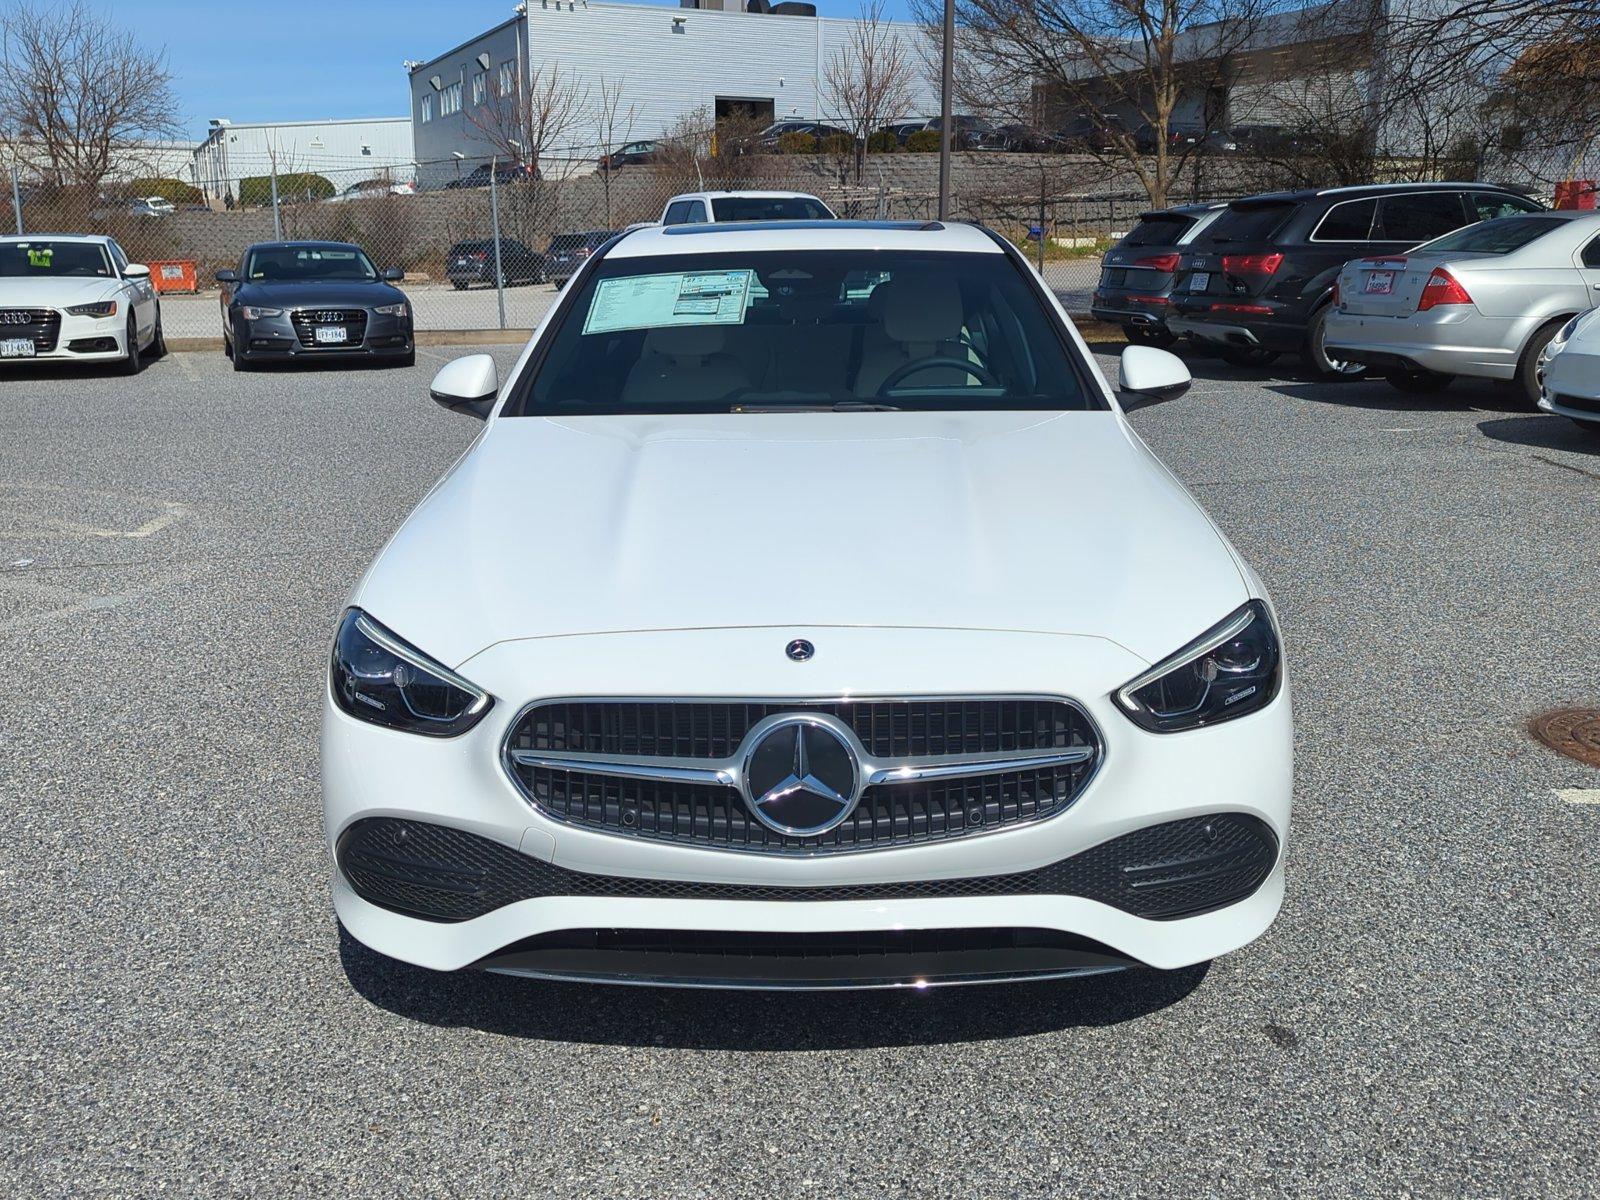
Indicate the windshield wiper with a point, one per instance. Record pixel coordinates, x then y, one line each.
841 406
864 406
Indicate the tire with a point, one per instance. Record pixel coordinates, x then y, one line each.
559 284
1316 352
1246 356
1528 380
133 363
458 285
240 362
1419 383
158 344
409 359
1143 335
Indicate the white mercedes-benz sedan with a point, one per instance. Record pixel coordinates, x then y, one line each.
1571 373
76 298
807 615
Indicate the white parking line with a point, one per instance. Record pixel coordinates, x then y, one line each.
1578 795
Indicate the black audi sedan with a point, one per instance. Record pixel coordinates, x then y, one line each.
313 300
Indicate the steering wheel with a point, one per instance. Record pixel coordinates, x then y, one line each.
981 374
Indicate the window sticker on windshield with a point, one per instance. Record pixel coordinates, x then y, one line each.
682 298
41 256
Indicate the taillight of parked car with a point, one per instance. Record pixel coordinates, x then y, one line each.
1251 264
1442 288
1158 262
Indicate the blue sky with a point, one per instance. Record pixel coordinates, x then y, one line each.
254 62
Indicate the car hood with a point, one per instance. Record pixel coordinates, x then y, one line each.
1030 521
42 291
297 294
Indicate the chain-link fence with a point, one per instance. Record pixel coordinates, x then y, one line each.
486 248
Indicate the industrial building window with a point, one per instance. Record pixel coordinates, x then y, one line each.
427 109
508 78
480 86
450 99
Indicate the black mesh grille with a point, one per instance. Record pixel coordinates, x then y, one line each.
888 815
1176 869
306 321
41 326
1581 403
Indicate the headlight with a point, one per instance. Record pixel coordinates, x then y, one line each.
101 308
251 313
391 310
378 678
1232 669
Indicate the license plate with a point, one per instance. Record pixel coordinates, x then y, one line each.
327 334
1200 281
18 348
1380 283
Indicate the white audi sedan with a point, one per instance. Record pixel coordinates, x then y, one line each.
76 298
1571 373
807 615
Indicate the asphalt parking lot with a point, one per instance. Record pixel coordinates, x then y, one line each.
181 1012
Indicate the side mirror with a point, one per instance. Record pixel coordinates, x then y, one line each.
467 385
136 271
394 274
227 276
1152 373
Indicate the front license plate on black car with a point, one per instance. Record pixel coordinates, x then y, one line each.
1200 281
18 348
330 334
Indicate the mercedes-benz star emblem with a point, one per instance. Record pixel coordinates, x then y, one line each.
800 650
801 775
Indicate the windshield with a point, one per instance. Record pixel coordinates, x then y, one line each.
724 332
769 208
1500 236
1248 223
272 264
39 256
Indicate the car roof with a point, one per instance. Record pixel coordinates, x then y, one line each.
1361 191
735 236
758 195
98 239
303 245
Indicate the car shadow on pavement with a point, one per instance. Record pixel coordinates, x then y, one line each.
1543 430
1376 394
730 1020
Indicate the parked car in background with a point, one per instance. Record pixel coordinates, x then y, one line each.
569 251
301 301
504 173
473 262
1259 281
371 189
1136 276
1572 373
769 138
967 132
76 298
1024 139
694 208
634 154
901 131
152 206
1484 302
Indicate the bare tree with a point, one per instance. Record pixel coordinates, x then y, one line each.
525 126
78 94
1114 73
868 80
614 124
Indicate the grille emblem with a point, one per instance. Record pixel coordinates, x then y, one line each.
800 650
16 318
330 316
801 775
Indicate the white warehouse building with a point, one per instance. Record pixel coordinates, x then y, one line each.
344 152
664 63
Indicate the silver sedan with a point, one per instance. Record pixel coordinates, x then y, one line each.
1483 301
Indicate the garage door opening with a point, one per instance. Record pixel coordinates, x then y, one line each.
740 120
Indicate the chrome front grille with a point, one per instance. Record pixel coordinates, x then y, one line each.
41 326
934 769
306 320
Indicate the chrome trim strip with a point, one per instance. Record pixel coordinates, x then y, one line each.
575 762
660 770
756 985
963 766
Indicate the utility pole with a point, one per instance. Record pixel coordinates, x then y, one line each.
946 74
494 221
16 199
277 219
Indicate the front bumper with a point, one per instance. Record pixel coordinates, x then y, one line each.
1451 340
79 339
276 339
1126 306
1241 767
1572 385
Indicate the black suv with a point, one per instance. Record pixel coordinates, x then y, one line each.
569 251
467 263
1135 289
1258 281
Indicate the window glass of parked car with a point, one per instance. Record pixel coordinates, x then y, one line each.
41 256
1500 236
1419 216
685 212
1591 254
1248 222
1485 206
1347 222
710 332
300 262
768 208
1157 229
